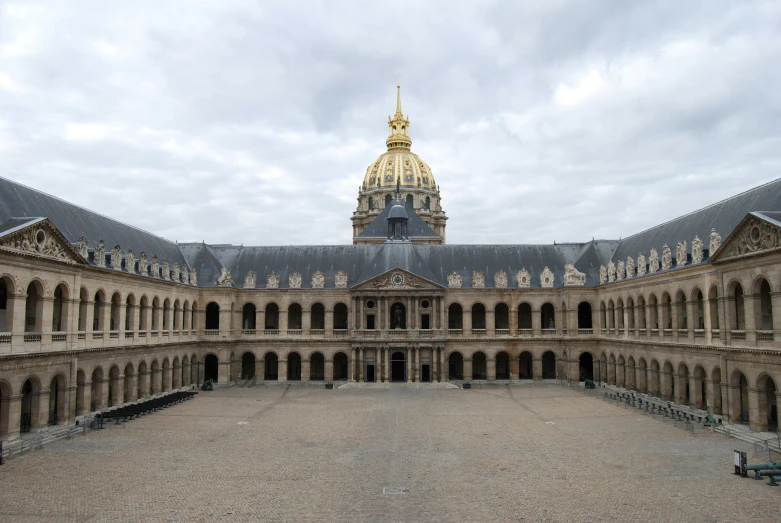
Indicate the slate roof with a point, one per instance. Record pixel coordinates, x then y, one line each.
364 262
19 201
416 227
724 216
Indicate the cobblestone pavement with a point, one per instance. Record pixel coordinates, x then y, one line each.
309 454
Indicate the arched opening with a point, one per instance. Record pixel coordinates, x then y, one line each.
548 366
81 379
211 366
502 317
682 319
294 321
270 367
247 366
611 370
739 386
656 380
318 316
642 375
340 366
525 366
455 366
716 380
478 366
248 316
602 316
548 316
83 304
59 310
698 309
388 200
409 201
427 203
768 411
654 311
316 367
143 326
176 320
166 376
116 307
185 371
154 378
629 373
668 383
194 318
142 390
96 390
684 394
478 316
272 317
114 388
398 316
763 307
371 203
584 315
33 307
57 400
130 317
156 313
212 317
641 320
713 302
294 367
29 417
621 371
129 389
611 315
167 314
398 366
667 311
186 315
630 314
455 317
700 391
619 314
737 311
502 366
525 316
340 316
586 366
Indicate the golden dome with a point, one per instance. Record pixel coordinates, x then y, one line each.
399 163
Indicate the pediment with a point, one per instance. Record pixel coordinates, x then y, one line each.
37 237
397 279
755 234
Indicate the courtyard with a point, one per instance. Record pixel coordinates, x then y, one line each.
400 453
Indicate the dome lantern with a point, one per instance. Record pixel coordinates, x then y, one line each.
398 127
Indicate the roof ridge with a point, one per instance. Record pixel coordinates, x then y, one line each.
88 210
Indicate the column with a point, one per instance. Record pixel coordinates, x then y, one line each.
442 313
361 320
536 322
362 368
387 364
329 321
695 393
691 314
408 313
468 367
513 322
442 376
260 369
351 366
706 312
409 365
490 322
749 310
775 301
753 407
260 319
514 366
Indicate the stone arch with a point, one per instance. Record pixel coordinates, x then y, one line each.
767 416
341 316
700 394
398 316
642 375
584 318
525 316
621 371
611 314
629 373
155 381
655 385
668 382
640 308
455 366
130 317
115 312
586 366
630 313
667 311
736 306
186 315
763 308
177 316
58 399
248 365
294 317
272 317
81 380
316 367
455 316
211 367
739 410
7 290
684 394
166 323
142 390
602 315
271 366
525 365
340 366
156 313
96 389
194 319
248 314
212 316
548 365
143 308
478 316
60 308
502 365
317 316
129 391
682 314
548 316
176 373
479 365
294 366
33 308
501 316
653 311
30 392
697 298
619 314
611 369
114 387
166 377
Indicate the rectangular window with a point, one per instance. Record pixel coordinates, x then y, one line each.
370 321
424 322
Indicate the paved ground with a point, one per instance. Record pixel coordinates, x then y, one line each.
306 454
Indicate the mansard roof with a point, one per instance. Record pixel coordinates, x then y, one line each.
723 216
73 222
364 262
416 227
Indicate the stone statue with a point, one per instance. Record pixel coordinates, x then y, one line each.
611 271
620 270
175 272
653 261
83 247
681 254
630 267
100 254
640 264
602 275
166 270
667 257
225 279
193 277
573 277
155 270
185 274
116 258
397 321
143 265
715 242
696 250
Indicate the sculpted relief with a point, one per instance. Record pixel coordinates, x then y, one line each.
39 242
478 280
630 267
294 280
602 275
143 265
318 280
653 261
620 270
272 281
667 257
756 236
340 280
681 254
640 264
500 279
523 278
573 277
225 279
546 278
611 271
454 280
250 280
696 250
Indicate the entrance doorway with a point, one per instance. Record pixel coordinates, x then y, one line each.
398 367
425 373
370 373
211 366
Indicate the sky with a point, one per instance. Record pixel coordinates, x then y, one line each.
253 123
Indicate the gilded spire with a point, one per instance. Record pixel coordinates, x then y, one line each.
398 127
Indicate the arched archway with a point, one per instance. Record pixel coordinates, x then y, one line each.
736 309
57 400
502 366
501 317
340 366
455 366
340 317
96 390
34 307
247 366
212 316
739 397
129 388
398 366
642 375
272 317
29 416
114 387
294 367
524 316
763 311
60 309
248 316
81 379
294 317
270 367
211 368
317 317
455 317
525 366
6 318
478 366
586 366
478 317
548 317
768 409
549 366
316 367
143 381
684 394
584 317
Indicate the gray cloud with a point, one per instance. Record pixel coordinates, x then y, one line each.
251 123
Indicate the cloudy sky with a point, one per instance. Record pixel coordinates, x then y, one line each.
253 122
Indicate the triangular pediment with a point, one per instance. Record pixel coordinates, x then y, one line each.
397 279
37 237
758 233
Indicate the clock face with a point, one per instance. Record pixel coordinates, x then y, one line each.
397 279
